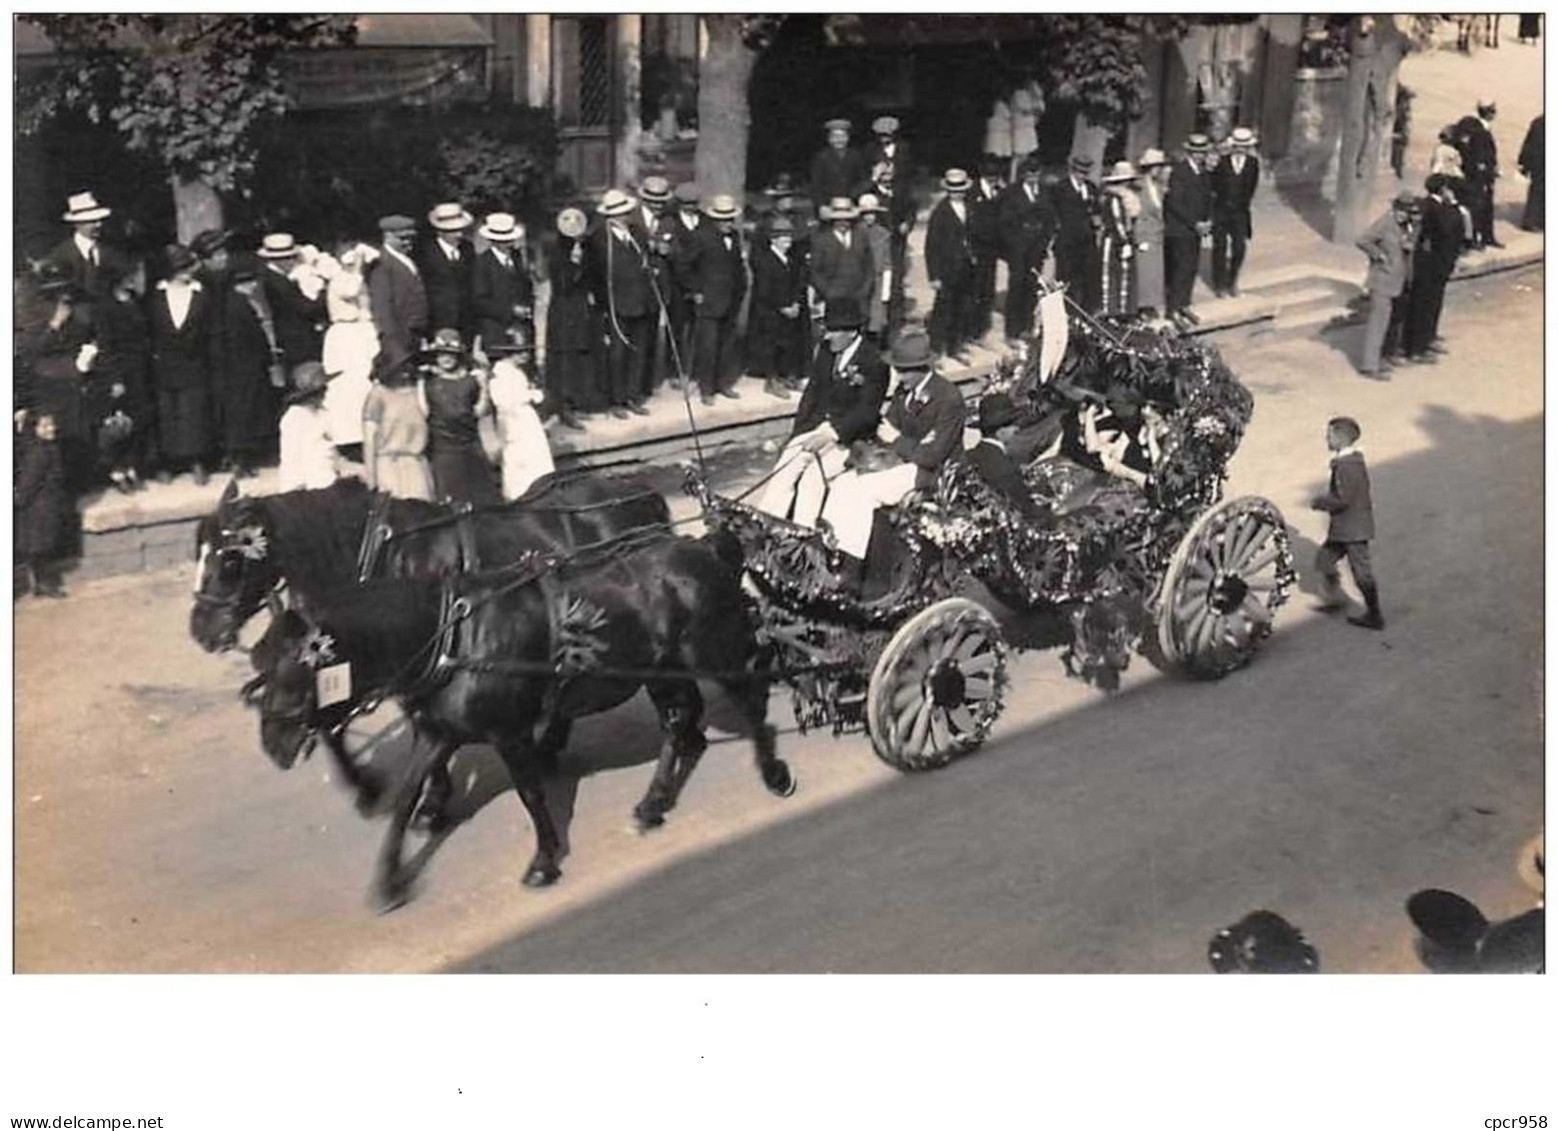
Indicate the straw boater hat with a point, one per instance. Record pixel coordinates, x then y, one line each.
1121 172
1198 143
278 245
721 207
868 202
450 217
885 126
1154 158
1242 138
500 227
839 208
655 190
956 181
615 203
571 222
83 208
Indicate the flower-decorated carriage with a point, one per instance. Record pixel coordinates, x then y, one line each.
1168 568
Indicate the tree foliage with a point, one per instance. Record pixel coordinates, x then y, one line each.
187 89
1098 61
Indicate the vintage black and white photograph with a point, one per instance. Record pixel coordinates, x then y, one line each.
902 493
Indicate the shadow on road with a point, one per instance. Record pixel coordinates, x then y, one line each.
1341 771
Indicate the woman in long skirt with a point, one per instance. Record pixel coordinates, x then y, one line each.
1117 213
454 395
1155 171
527 455
574 376
351 343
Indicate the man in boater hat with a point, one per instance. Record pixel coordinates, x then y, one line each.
1233 188
624 297
1187 220
1076 233
657 230
82 256
949 261
447 265
714 275
502 289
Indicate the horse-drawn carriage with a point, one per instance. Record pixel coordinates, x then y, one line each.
1191 580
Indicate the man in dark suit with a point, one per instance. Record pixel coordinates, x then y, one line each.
446 266
1233 188
1076 233
82 256
984 230
1439 241
840 408
1532 162
1479 159
715 276
655 227
1187 218
949 261
502 290
888 149
624 296
678 232
989 457
1027 225
396 293
186 362
843 272
299 320
776 328
924 427
838 169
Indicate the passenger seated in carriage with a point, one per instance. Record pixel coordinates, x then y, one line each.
994 463
923 426
1119 436
840 408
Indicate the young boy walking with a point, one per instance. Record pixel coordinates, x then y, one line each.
1352 523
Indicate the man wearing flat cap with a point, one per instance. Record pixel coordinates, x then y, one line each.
887 148
1389 243
1076 233
1233 190
1027 229
949 262
714 275
447 267
396 292
839 169
1187 220
843 272
1479 159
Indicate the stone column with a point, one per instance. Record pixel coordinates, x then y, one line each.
629 110
538 60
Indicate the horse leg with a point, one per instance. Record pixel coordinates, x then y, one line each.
552 742
522 760
432 801
680 707
394 877
751 695
368 788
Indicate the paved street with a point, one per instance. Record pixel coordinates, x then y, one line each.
1341 772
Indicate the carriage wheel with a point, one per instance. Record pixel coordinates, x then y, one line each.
937 687
1222 588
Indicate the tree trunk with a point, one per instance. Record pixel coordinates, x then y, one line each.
196 208
1377 47
1089 139
724 117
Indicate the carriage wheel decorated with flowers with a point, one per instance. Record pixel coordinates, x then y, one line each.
1220 593
938 686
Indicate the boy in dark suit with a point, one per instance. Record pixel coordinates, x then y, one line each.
1351 508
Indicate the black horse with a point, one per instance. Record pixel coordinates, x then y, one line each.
319 541
497 657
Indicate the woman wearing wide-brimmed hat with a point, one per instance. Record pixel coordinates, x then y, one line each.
1155 169
1117 239
871 226
454 395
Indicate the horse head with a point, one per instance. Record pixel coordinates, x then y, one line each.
288 659
234 570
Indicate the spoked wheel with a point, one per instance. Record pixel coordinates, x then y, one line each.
1222 588
938 686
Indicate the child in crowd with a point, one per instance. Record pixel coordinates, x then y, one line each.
41 502
394 429
1351 508
526 454
454 396
308 455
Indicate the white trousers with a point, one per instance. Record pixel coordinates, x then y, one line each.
853 500
802 477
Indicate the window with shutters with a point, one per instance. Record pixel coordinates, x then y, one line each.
582 66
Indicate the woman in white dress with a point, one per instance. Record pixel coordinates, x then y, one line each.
350 346
526 455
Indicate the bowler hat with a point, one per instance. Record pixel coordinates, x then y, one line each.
83 208
209 242
1081 162
686 194
784 185
512 339
838 124
278 245
397 223
886 125
655 189
995 412
722 207
956 180
843 314
615 203
245 265
1263 942
450 217
911 350
180 258
500 227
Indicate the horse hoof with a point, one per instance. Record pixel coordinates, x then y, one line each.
391 897
367 802
540 876
780 781
647 822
